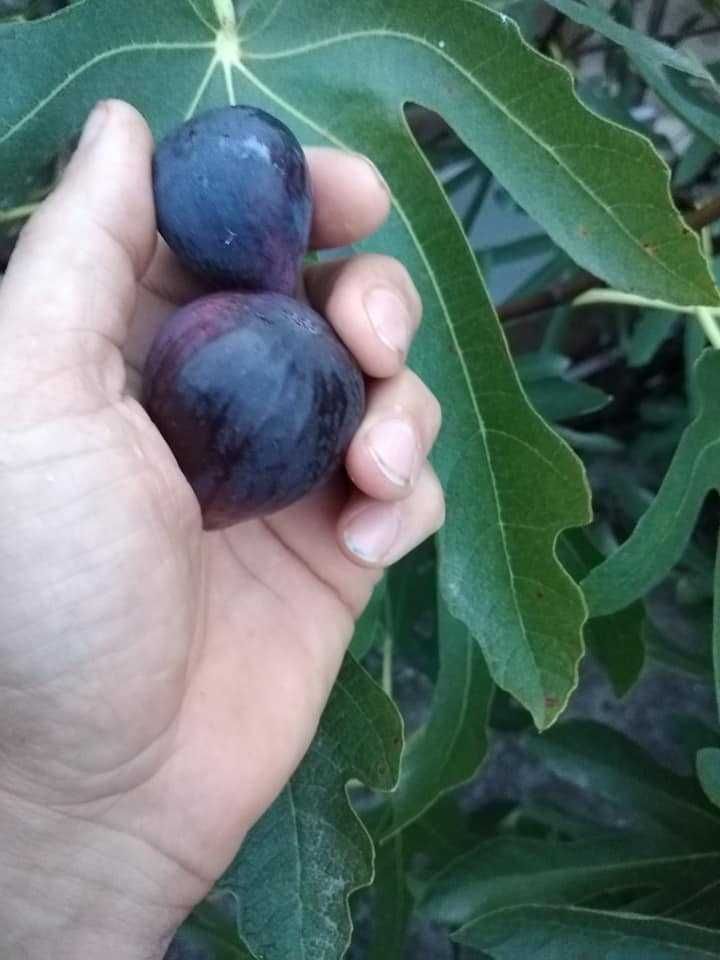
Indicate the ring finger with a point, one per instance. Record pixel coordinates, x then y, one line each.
402 420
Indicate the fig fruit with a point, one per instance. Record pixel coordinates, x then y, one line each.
233 199
257 398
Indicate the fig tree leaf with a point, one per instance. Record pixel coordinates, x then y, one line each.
640 47
617 640
411 612
601 760
392 903
701 908
512 485
450 747
369 628
298 865
505 871
716 626
695 102
552 393
557 933
557 399
662 533
210 932
682 81
652 329
708 770
554 157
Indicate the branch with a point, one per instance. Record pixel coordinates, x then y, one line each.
547 299
565 292
702 216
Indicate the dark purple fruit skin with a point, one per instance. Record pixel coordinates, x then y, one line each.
233 199
256 397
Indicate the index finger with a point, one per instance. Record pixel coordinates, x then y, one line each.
351 199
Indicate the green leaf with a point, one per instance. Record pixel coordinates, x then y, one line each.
558 933
698 104
450 747
310 851
510 870
511 484
662 647
708 770
554 396
600 759
616 641
392 903
527 125
445 831
557 399
682 81
652 329
716 624
700 908
369 628
694 161
411 608
641 48
660 536
532 245
210 932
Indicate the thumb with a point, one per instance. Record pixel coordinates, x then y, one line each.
69 292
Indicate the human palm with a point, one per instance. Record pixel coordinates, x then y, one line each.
160 683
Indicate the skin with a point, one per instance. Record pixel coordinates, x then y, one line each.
161 684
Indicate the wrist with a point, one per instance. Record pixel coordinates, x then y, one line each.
70 889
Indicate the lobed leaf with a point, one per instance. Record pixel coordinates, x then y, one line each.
299 864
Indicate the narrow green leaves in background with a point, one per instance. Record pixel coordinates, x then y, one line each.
652 797
450 747
616 641
558 933
662 533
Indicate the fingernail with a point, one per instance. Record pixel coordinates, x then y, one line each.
389 316
94 124
393 446
375 172
371 533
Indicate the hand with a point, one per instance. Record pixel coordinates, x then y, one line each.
160 684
